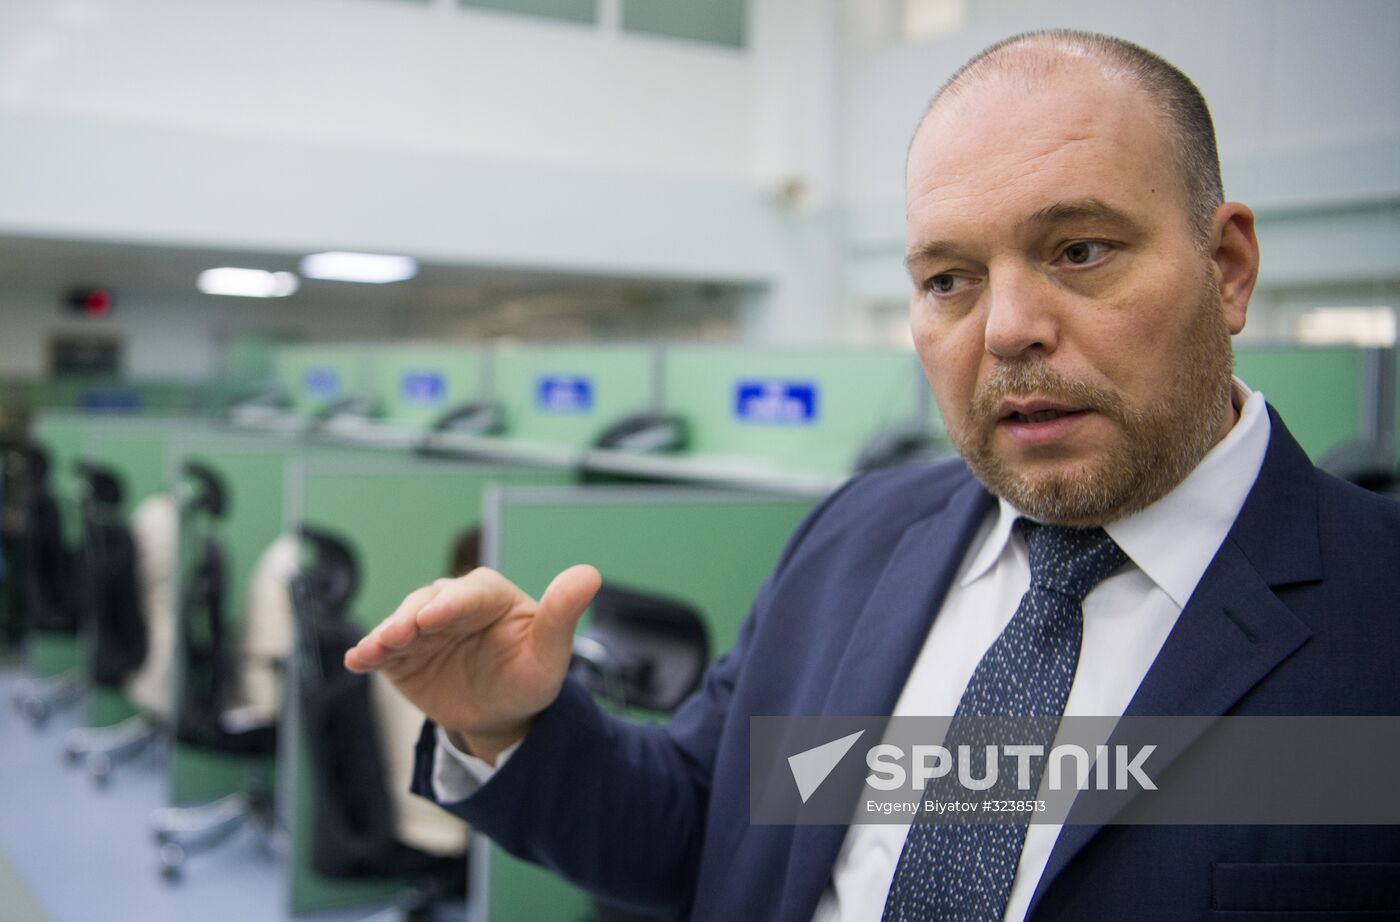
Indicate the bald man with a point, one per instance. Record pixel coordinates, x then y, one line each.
1130 530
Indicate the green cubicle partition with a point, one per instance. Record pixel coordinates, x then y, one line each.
401 515
568 395
711 549
316 376
416 384
138 450
1316 389
805 410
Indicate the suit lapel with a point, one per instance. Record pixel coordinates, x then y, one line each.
882 647
1234 630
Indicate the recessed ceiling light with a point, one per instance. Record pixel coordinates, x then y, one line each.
373 268
247 283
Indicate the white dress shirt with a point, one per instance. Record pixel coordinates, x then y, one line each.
1127 618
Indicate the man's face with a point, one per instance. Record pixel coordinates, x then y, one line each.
1068 321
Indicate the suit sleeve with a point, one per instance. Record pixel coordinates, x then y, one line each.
615 807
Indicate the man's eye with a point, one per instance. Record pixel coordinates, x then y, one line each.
943 284
1084 252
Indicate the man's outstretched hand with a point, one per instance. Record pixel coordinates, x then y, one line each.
479 656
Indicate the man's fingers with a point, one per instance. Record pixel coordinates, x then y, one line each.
353 661
393 633
413 602
562 604
463 602
365 656
469 604
398 632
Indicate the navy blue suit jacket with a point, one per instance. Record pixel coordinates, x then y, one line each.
1298 614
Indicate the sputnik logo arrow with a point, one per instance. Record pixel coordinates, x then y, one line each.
812 766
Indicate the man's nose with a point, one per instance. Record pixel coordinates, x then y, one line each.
1022 314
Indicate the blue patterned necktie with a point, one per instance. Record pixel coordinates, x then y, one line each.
962 872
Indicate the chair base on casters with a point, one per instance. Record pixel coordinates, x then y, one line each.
47 697
184 831
104 748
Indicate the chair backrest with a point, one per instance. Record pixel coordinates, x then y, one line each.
268 630
204 645
50 565
155 530
359 732
640 649
112 600
417 823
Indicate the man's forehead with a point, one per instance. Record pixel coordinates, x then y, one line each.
998 133
1003 158
1009 105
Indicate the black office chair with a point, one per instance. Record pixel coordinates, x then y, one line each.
895 446
1368 463
355 834
12 617
647 432
643 651
115 620
208 693
111 601
49 575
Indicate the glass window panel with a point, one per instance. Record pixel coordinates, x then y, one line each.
719 22
585 11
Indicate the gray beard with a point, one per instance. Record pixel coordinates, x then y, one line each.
1159 444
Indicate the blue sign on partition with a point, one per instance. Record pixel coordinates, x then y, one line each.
775 402
321 382
423 388
104 400
564 394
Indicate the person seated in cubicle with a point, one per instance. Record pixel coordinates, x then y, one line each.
1130 531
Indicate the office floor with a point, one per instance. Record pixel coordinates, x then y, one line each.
71 852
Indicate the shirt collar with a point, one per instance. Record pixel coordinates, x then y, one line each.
1204 505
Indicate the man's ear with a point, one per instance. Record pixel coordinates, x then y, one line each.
1235 252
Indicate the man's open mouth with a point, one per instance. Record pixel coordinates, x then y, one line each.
1042 416
1039 411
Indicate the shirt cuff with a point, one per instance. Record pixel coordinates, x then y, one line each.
458 775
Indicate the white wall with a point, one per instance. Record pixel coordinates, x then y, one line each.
1305 96
385 75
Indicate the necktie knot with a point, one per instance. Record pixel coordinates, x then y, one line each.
1070 561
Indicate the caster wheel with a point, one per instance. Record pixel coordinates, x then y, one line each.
172 861
72 756
37 712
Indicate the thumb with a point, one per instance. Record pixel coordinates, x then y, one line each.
560 607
